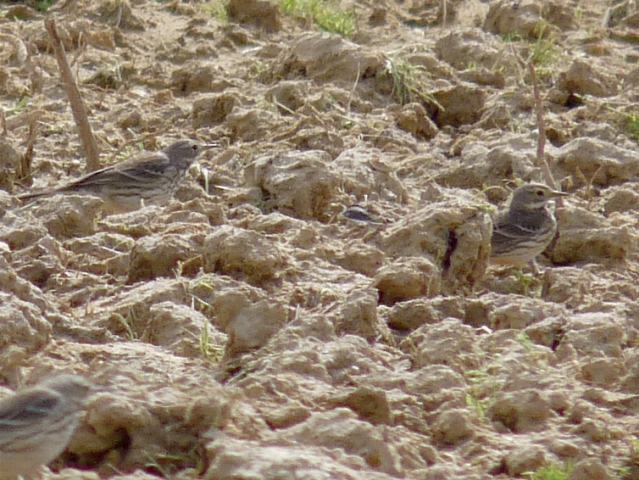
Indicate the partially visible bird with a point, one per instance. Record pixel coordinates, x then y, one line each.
526 227
37 423
358 213
148 178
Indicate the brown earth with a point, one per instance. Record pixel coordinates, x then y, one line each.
253 332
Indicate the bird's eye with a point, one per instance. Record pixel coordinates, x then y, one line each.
539 193
194 147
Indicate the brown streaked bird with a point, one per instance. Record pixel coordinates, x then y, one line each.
525 228
148 178
37 423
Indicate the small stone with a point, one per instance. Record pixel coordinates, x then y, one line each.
521 411
585 78
621 200
252 326
564 448
452 427
525 458
159 256
213 109
590 469
260 13
192 78
414 119
603 371
460 105
405 279
243 253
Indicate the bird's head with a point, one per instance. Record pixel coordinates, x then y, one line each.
533 196
186 151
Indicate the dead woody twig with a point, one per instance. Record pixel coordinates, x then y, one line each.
77 106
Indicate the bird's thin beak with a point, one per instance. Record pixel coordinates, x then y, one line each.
214 144
557 193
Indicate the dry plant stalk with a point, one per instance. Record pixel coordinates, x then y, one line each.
77 105
3 122
444 9
541 137
27 159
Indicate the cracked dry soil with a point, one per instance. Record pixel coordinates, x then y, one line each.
248 330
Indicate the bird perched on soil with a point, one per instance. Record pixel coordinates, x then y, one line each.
150 177
359 213
526 227
37 423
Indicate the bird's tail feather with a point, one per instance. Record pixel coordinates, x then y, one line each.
27 197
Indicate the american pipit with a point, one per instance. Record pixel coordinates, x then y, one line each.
150 177
526 227
37 423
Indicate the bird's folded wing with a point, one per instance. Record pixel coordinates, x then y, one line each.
512 230
144 167
27 409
